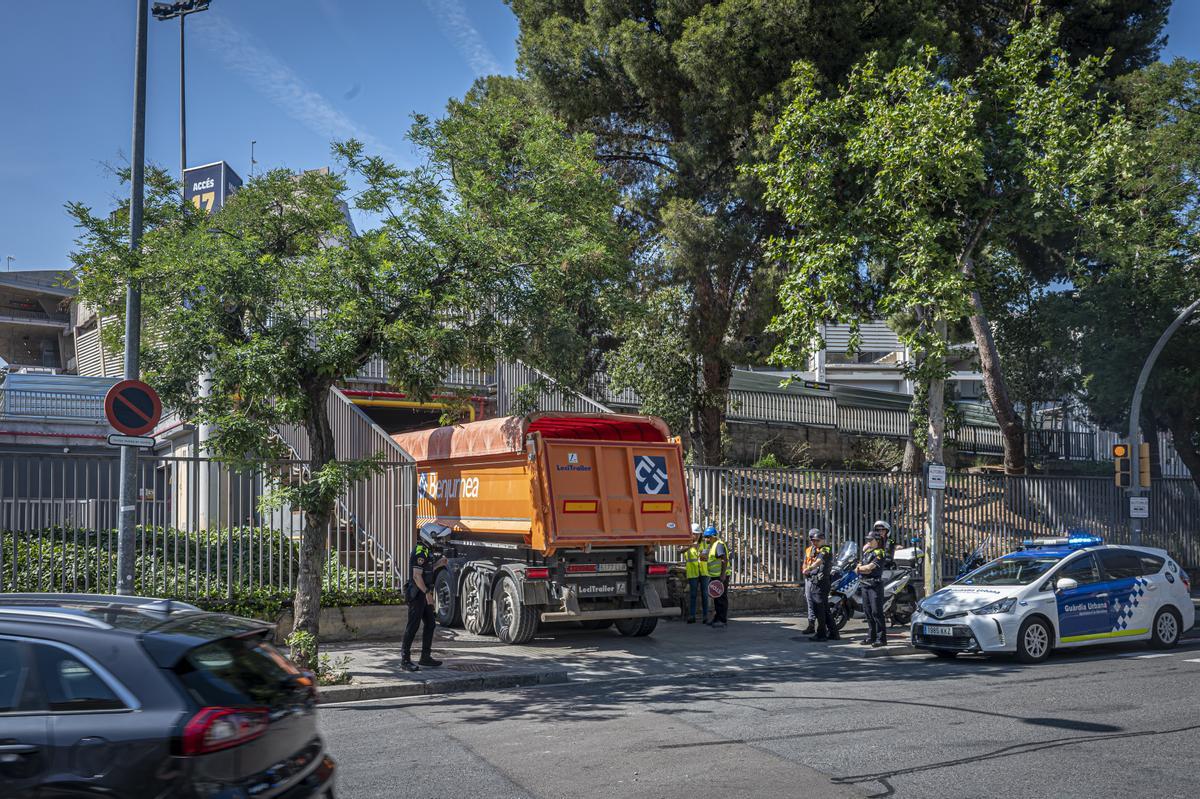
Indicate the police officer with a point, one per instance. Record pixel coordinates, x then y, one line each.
810 588
818 577
422 563
870 569
695 560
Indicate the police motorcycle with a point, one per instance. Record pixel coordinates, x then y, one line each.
974 559
844 591
903 586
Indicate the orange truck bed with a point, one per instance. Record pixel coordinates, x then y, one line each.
554 481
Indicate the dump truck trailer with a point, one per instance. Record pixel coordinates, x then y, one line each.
552 517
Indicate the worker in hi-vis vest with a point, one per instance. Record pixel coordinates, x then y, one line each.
695 559
718 569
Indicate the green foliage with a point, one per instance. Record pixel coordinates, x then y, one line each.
905 188
875 454
169 562
769 461
1133 287
302 647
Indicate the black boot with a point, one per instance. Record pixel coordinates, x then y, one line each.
809 630
407 664
427 660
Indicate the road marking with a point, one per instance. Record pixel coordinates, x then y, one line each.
1148 657
1192 660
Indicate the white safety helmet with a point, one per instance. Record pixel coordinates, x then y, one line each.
695 528
881 523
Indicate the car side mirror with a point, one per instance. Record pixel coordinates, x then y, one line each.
1066 584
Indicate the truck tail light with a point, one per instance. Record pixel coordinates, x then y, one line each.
217 728
582 568
537 573
656 569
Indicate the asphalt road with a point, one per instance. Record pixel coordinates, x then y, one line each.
1113 721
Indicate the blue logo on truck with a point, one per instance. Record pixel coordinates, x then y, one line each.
651 473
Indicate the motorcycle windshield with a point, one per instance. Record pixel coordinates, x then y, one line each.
847 554
977 553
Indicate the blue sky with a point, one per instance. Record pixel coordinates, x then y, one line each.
291 74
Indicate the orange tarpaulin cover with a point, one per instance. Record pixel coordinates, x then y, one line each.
506 434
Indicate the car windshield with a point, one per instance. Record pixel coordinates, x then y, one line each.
1011 571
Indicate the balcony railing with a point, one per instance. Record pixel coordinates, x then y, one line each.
376 371
18 403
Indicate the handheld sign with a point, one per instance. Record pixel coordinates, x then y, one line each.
132 407
716 588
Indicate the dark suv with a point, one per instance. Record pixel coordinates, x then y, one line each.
131 697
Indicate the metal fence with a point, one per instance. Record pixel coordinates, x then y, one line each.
765 513
204 529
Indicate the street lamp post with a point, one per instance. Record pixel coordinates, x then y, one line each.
126 555
1135 412
163 12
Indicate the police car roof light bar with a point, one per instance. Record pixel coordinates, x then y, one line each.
1084 540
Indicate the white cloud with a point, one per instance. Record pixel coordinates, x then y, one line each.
277 81
452 18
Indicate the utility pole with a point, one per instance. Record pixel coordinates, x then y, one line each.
1135 413
126 553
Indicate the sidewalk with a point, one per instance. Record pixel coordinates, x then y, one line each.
562 651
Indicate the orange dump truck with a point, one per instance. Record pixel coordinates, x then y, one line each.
554 517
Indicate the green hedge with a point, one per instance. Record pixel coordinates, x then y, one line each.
239 570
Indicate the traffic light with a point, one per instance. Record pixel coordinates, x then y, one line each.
1121 464
1144 464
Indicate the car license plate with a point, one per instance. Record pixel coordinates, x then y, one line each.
931 629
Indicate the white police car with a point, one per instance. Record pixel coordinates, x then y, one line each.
1058 592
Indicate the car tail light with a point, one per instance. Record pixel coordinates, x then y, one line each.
582 568
656 569
1187 583
537 573
217 728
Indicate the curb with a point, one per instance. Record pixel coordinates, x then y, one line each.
401 688
891 650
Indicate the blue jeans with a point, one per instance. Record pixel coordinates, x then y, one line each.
697 584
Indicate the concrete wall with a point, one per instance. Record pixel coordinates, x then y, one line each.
749 441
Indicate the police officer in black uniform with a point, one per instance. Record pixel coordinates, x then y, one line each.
418 592
870 570
818 574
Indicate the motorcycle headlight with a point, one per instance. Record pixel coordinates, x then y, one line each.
999 606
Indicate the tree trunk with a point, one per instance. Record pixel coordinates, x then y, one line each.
307 600
914 458
993 380
1027 444
715 372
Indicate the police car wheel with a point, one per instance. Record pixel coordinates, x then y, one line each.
1033 641
447 611
477 616
1165 632
515 622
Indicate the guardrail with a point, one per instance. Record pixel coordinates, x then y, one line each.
375 371
20 403
516 377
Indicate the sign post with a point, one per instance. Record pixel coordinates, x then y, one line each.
132 408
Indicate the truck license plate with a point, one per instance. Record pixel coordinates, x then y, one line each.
931 629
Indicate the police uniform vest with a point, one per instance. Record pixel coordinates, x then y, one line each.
421 558
879 558
716 562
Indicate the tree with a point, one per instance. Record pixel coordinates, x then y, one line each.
672 92
489 247
1130 290
895 187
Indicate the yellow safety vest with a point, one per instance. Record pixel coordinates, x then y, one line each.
691 560
716 563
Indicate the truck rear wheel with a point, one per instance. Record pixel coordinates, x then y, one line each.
637 628
447 612
515 622
476 614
